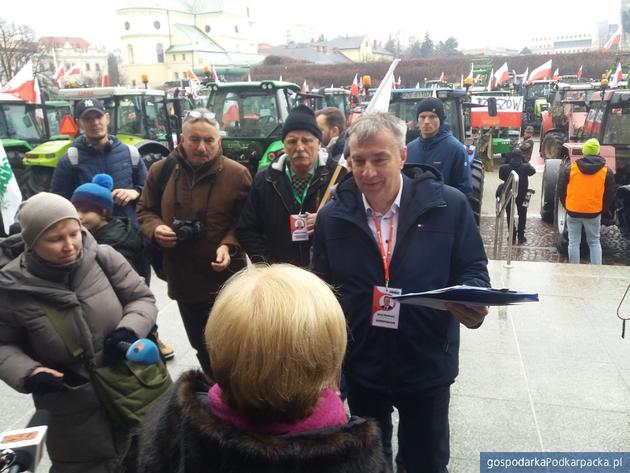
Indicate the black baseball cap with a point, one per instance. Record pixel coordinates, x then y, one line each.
88 105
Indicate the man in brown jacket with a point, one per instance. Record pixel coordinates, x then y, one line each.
194 220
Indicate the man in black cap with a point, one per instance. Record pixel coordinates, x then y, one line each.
287 194
437 146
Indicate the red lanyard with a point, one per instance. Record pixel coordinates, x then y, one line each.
387 256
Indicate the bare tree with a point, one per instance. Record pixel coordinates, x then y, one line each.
17 46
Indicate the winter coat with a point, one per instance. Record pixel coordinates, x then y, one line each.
121 236
587 165
101 294
212 194
446 154
181 434
263 229
115 161
437 245
527 146
524 170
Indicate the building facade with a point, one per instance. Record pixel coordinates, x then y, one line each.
74 51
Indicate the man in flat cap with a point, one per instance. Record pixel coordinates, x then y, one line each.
285 196
437 146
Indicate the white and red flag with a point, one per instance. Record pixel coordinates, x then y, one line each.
501 75
615 39
491 80
556 74
304 88
213 74
22 85
541 72
354 89
578 74
59 73
616 77
74 71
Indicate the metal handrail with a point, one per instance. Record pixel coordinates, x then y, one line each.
507 197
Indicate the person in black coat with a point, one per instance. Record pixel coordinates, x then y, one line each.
524 170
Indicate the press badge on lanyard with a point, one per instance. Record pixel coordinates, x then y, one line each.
298 227
385 310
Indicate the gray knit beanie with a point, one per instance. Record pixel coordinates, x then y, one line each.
40 212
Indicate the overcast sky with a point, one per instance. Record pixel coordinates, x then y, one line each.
475 24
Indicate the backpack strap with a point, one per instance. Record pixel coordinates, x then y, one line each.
164 176
73 156
64 332
134 155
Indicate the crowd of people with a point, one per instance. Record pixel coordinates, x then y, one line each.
285 284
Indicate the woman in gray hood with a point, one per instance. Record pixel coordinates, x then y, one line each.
101 301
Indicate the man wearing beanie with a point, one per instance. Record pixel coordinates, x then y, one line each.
586 188
521 166
94 152
287 194
437 146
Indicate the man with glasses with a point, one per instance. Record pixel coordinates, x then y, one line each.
287 194
190 210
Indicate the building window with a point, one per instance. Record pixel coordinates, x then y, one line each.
87 67
236 28
177 76
183 57
207 29
130 53
127 25
156 25
97 67
159 49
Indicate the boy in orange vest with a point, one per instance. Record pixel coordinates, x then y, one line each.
586 188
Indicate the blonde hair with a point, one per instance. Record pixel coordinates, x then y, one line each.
276 336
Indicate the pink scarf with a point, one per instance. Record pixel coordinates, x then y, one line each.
328 412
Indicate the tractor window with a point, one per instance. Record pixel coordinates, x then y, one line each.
245 114
129 116
590 119
19 123
617 128
155 118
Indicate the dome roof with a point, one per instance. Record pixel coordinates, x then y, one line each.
195 7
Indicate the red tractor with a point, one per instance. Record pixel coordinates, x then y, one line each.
608 121
562 120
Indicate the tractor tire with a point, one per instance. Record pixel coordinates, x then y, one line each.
476 198
560 232
551 145
151 158
35 179
548 194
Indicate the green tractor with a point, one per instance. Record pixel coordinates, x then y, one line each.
251 115
138 117
536 96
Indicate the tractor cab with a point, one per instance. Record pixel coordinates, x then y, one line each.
251 115
536 95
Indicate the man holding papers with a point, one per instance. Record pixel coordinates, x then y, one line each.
385 233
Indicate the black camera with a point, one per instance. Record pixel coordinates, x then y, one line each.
188 230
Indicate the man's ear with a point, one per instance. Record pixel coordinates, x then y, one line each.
403 156
335 131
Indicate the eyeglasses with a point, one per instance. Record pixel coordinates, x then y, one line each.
193 115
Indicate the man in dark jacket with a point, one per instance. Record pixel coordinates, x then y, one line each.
527 145
333 124
437 146
586 188
524 170
387 233
287 195
99 153
205 192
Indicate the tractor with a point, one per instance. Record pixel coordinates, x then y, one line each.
608 121
403 104
251 115
138 117
536 95
563 119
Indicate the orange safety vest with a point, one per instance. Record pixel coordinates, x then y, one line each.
585 192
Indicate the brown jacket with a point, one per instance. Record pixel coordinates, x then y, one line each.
213 194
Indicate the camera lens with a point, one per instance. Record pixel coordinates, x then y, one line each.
184 233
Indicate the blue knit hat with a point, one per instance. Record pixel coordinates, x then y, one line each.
95 195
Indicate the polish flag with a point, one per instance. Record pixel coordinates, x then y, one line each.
501 75
213 74
39 113
615 39
354 89
23 84
59 73
491 80
541 72
616 77
556 74
304 88
579 73
74 71
442 77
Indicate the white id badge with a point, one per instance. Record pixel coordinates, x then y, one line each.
385 310
298 227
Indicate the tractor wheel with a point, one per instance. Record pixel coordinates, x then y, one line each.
35 179
478 175
151 158
560 232
551 145
548 194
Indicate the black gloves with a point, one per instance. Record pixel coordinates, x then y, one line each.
112 346
43 383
